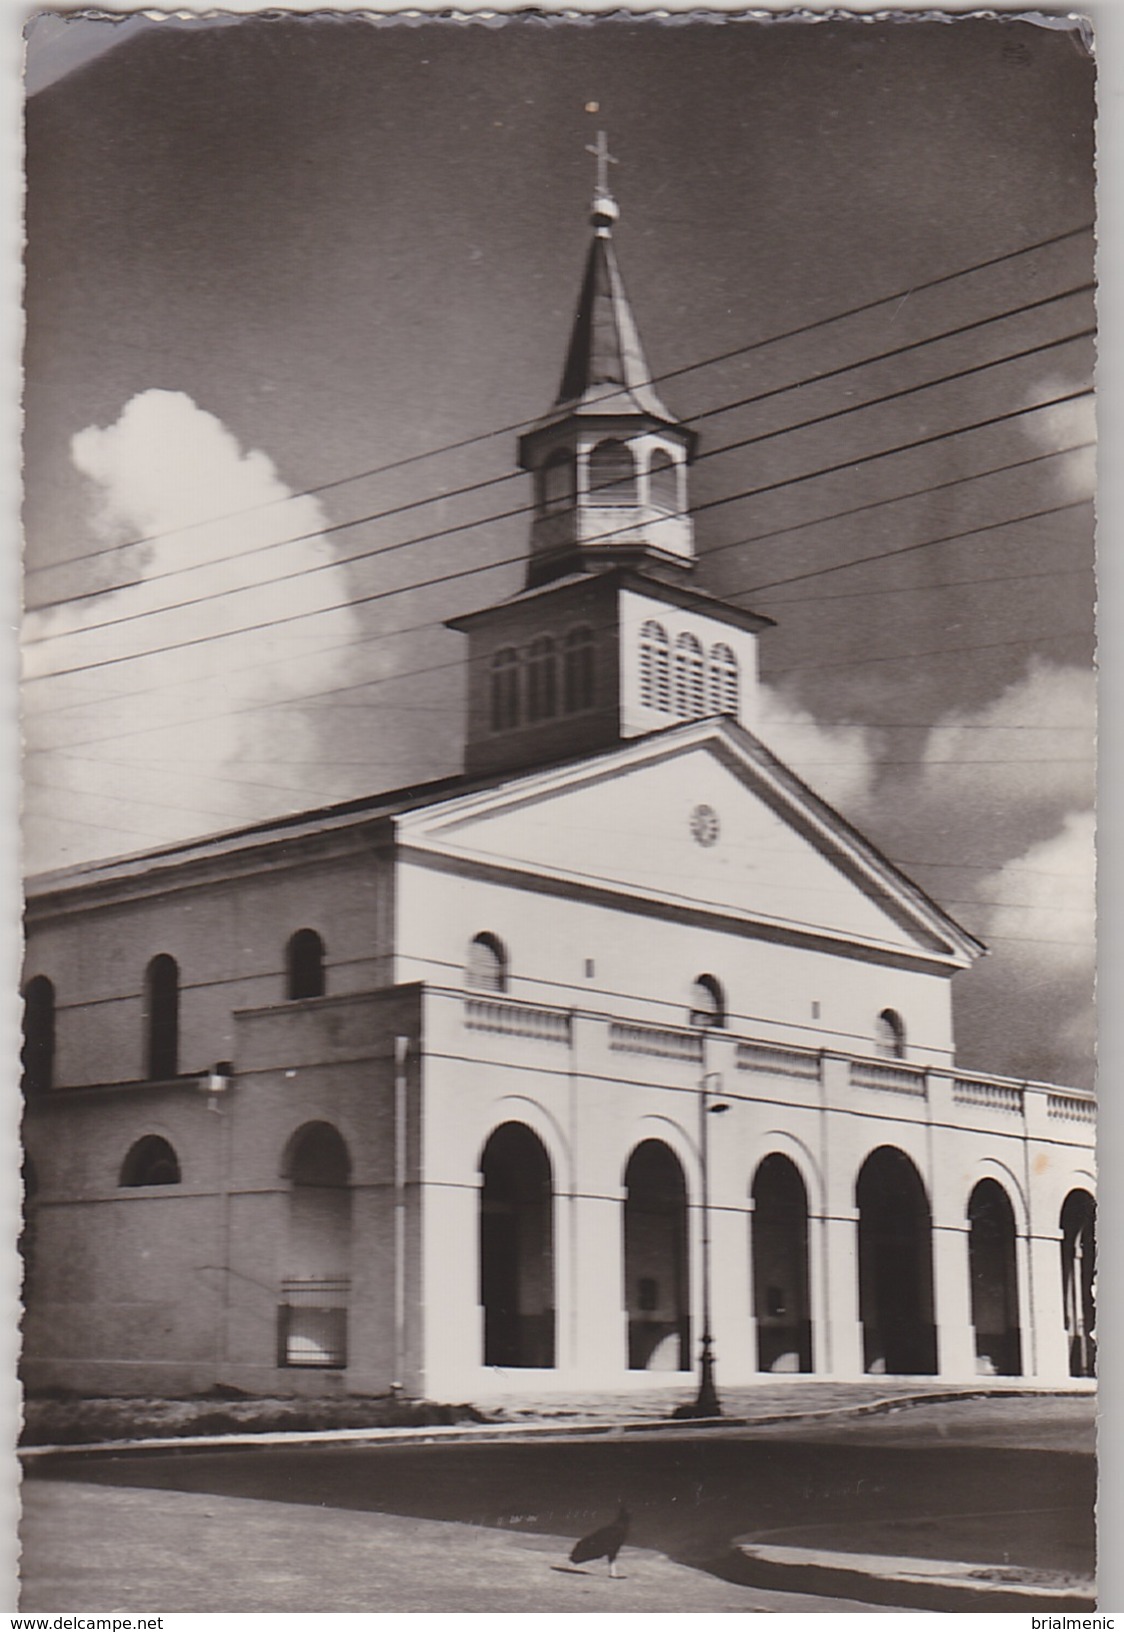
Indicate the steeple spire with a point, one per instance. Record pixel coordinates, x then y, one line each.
609 459
605 353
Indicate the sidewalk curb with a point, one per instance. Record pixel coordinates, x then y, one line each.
933 1583
483 1433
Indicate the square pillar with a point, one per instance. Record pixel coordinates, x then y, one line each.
1051 1343
593 1331
837 1340
833 1240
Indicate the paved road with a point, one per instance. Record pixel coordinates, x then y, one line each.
692 1492
88 1548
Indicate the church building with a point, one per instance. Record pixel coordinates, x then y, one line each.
471 1087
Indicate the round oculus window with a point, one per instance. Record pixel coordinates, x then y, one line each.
704 824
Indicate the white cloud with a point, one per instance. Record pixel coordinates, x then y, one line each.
1041 923
994 775
991 811
215 553
1066 425
837 763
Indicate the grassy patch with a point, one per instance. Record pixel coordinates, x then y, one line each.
68 1420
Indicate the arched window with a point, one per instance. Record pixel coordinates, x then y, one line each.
486 969
889 1035
542 680
505 689
663 482
304 965
558 482
151 1161
162 1018
723 680
316 1287
708 1002
655 667
690 692
38 1035
612 473
577 671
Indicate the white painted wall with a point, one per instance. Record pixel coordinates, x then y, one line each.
643 966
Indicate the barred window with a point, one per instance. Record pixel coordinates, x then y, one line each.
612 473
889 1035
690 691
708 1002
655 667
663 482
723 680
486 967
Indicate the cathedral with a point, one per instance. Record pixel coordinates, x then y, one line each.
620 1047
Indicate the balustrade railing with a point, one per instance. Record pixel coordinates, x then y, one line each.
778 1061
516 1019
508 1017
669 1045
996 1096
889 1077
1071 1107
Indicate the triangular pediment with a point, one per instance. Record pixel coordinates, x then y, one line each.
701 817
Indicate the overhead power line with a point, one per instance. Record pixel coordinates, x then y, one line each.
655 379
464 572
457 663
377 552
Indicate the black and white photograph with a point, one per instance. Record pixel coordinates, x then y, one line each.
558 813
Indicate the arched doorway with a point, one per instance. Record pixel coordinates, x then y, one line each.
995 1292
895 1266
314 1291
517 1249
780 1267
1079 1276
657 1295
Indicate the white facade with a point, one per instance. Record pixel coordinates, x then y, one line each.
416 1092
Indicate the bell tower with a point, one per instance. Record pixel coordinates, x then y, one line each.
609 638
609 461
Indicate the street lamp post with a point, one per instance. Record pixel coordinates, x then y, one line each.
706 1402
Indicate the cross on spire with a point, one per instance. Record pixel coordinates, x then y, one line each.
604 160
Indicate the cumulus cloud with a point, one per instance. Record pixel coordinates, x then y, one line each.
1066 425
213 554
839 763
990 809
1021 759
1041 920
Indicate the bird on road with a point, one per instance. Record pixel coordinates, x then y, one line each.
604 1543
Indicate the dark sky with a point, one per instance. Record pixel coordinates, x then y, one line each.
334 246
